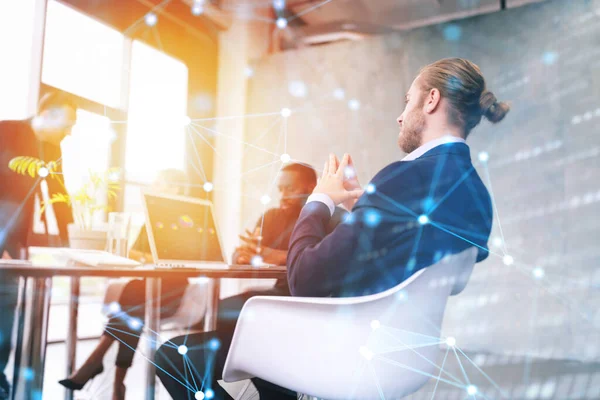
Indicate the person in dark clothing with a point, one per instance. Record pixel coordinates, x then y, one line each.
38 137
127 314
269 241
412 213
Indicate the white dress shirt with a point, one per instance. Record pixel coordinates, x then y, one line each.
413 155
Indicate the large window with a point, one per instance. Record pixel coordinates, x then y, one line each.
20 45
83 56
157 107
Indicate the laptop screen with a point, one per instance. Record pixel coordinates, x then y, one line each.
183 230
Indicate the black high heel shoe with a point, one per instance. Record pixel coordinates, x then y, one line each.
72 385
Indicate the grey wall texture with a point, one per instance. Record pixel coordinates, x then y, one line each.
543 168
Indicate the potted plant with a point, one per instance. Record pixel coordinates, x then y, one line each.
84 202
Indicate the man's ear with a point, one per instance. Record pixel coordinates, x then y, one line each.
432 100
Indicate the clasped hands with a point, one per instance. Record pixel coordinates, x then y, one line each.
252 248
339 182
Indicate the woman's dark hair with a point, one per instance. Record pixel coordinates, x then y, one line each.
461 83
306 173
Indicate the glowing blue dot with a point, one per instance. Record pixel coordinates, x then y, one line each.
354 104
199 395
508 260
266 199
297 89
538 273
135 324
151 19
248 71
372 218
182 350
349 172
483 156
257 261
279 5
208 186
423 219
214 344
401 296
114 307
348 218
452 32
285 158
549 57
43 172
286 112
28 374
339 94
471 390
428 204
197 9
411 264
209 393
370 188
281 23
451 342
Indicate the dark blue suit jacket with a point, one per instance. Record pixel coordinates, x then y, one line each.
382 242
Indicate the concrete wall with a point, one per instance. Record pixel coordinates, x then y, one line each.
544 165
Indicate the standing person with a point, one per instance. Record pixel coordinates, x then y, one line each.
415 211
39 137
126 323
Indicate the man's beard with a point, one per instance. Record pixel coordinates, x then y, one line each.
412 131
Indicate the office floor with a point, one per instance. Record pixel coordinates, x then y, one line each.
517 377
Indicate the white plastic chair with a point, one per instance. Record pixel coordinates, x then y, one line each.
384 345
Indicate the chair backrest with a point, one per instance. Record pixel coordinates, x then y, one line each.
351 348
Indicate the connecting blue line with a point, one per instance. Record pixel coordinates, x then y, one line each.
502 392
194 370
198 159
460 386
381 396
186 378
396 204
187 362
153 363
462 238
192 126
461 366
459 230
440 375
436 176
130 334
428 360
452 189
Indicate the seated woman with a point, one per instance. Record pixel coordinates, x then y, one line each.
127 319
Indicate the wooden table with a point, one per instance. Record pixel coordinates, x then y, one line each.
34 306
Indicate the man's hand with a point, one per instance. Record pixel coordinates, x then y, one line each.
332 181
269 255
350 183
244 255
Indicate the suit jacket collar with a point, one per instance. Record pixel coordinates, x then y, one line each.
457 148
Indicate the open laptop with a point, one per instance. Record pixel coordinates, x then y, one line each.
182 232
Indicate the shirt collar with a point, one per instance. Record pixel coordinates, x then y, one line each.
413 155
